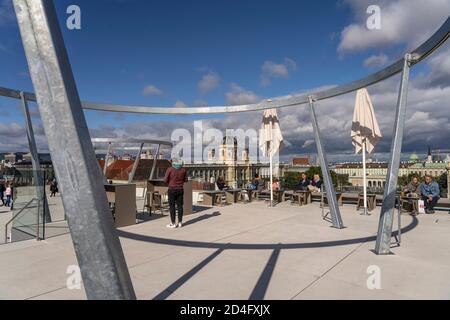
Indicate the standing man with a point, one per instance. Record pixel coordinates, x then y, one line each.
430 194
175 177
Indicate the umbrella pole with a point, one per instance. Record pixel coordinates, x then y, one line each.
365 178
271 180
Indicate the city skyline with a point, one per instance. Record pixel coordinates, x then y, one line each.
181 67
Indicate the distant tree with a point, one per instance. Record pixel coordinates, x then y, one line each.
443 183
290 180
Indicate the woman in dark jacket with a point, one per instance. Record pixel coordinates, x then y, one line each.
304 183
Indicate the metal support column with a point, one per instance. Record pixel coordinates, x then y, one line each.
38 179
105 166
384 236
155 159
331 194
135 165
99 252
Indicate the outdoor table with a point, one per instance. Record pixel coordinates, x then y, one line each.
303 197
233 195
371 201
209 197
411 201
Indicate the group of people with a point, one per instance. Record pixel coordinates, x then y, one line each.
428 192
6 194
177 175
314 185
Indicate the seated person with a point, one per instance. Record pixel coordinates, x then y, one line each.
316 184
275 185
430 194
256 183
304 183
221 184
413 188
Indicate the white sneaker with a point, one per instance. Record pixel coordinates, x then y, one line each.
180 225
171 226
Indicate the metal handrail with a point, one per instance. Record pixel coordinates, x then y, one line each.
15 216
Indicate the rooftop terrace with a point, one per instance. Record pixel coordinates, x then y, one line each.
251 251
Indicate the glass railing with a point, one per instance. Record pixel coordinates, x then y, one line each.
25 218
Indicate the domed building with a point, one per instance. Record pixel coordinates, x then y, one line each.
414 158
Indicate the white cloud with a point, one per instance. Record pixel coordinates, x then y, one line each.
180 104
209 82
408 22
151 90
376 61
271 70
439 64
308 143
238 95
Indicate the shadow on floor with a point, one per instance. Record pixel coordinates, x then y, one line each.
256 246
260 289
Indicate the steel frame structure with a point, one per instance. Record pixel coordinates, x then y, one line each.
98 249
142 143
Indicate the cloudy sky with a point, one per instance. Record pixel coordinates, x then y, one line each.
206 53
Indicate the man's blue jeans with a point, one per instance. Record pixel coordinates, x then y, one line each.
429 205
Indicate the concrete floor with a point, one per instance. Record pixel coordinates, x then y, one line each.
250 252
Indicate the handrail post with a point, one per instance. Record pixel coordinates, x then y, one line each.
105 165
331 194
135 165
384 236
155 159
38 181
100 257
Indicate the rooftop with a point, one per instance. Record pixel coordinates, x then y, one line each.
250 251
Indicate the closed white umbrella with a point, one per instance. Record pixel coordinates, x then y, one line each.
365 131
270 140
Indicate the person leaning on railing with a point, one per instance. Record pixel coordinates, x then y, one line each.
430 193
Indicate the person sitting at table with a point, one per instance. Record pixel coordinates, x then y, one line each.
316 184
275 185
221 183
304 183
430 194
413 188
256 182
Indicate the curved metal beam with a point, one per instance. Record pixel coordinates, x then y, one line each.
421 53
132 141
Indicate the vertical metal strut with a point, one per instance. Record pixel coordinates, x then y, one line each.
105 165
135 165
384 236
38 178
331 194
99 252
155 159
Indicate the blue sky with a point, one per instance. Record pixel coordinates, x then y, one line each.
201 52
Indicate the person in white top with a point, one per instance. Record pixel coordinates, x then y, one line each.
8 194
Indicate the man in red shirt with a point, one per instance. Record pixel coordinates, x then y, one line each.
175 177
